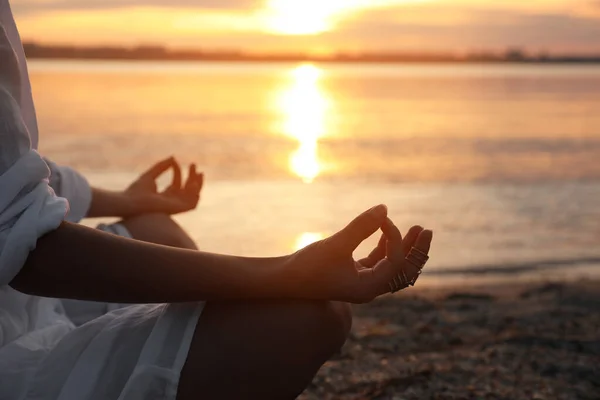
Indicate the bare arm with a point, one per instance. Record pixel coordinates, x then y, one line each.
142 196
108 203
81 263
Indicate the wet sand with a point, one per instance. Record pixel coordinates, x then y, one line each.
520 341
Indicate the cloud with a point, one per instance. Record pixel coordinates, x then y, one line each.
41 6
552 25
590 8
442 27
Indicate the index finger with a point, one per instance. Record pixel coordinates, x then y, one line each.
376 254
392 232
360 228
159 168
176 183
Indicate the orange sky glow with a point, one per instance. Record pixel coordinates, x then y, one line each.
317 25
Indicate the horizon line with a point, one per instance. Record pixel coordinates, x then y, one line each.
160 52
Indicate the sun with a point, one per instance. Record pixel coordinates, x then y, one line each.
307 238
308 17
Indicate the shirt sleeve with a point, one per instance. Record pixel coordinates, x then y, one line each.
28 206
71 185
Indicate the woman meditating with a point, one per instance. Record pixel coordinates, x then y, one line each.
201 325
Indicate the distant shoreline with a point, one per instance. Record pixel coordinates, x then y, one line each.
310 60
157 53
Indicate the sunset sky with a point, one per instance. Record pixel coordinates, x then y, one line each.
317 25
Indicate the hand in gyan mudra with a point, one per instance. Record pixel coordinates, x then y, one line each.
178 197
328 270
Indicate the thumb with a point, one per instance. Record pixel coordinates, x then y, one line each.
360 228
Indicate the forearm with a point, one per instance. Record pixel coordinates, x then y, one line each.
106 203
80 263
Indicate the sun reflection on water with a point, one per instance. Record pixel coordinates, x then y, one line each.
305 106
306 238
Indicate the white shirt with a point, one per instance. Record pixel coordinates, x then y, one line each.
29 208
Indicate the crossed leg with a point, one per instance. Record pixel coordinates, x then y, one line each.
251 350
159 229
261 350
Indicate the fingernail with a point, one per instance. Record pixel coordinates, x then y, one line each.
380 210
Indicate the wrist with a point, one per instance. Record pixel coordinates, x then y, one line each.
289 278
129 204
107 203
280 279
262 278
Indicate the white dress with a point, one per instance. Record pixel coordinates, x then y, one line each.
134 352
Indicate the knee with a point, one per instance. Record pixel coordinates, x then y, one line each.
331 321
341 319
343 312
